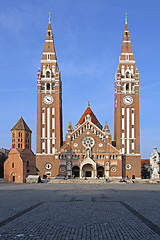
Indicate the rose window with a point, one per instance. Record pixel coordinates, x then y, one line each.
88 142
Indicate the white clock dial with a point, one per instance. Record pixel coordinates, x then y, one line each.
48 99
128 100
48 166
128 166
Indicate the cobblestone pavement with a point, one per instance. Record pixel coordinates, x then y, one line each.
79 211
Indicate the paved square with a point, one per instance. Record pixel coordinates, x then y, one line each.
79 211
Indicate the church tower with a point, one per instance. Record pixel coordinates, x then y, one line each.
126 112
49 104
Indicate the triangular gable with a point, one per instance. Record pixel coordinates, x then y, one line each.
93 118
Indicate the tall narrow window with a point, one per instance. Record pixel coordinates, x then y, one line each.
127 57
127 74
127 87
48 86
47 74
132 87
42 86
122 87
53 86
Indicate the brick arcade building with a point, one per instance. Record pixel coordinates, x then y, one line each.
88 150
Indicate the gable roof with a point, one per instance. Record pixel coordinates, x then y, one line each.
93 118
21 125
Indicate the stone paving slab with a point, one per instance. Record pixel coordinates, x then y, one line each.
77 211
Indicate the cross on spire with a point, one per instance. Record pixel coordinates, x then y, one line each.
88 104
126 18
49 17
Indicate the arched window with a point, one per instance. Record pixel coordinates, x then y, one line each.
53 86
122 86
132 87
42 86
127 87
47 74
127 74
48 86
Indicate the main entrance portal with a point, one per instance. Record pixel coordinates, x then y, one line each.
87 170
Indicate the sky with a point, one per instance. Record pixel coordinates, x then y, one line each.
88 39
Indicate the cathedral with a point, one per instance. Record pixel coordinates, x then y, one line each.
88 149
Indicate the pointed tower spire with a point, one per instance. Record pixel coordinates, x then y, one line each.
106 127
49 54
126 45
70 128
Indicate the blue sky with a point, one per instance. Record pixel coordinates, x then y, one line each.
88 38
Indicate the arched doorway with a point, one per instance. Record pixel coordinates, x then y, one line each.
87 170
100 171
12 177
75 171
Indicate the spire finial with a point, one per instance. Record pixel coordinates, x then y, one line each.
49 17
88 104
126 18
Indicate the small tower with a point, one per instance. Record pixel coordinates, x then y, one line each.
21 161
21 135
106 128
70 128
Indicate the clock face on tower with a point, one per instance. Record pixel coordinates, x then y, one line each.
128 100
48 99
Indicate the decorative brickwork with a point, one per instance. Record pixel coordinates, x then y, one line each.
88 150
21 161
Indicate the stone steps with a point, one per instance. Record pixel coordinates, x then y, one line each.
81 181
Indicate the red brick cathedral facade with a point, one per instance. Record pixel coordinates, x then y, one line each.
88 150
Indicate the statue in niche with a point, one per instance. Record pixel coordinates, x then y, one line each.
88 153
